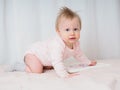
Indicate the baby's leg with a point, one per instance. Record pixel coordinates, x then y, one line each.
33 64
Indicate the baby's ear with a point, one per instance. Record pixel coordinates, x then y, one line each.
58 31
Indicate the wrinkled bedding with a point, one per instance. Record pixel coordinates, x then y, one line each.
102 78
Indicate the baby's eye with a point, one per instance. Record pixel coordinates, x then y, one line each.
76 29
67 29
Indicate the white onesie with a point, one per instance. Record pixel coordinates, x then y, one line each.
53 51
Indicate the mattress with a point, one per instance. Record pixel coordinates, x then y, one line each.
98 78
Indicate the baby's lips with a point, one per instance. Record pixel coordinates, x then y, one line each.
72 38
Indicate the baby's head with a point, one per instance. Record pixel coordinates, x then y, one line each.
67 13
68 26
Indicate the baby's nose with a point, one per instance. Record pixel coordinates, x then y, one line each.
72 32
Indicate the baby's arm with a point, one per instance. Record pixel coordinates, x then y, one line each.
79 55
84 60
61 70
56 53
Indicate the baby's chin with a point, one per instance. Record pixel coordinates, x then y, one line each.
72 42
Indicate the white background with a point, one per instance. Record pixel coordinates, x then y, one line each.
23 22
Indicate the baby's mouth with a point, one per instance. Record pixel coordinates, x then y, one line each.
73 38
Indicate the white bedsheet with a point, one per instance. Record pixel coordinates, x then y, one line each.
103 78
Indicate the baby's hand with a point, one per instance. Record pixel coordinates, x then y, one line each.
93 63
72 75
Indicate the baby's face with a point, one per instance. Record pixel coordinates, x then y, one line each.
69 30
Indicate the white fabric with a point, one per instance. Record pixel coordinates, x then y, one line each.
80 67
23 22
104 78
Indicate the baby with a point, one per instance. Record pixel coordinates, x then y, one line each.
65 44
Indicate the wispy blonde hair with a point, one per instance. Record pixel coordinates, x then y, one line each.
68 14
